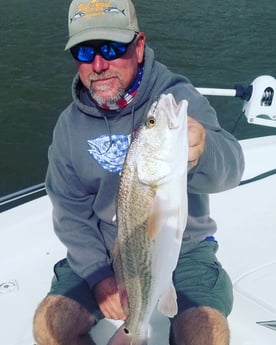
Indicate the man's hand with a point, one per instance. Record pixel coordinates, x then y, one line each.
107 297
196 140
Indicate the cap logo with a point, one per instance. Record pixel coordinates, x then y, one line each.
94 8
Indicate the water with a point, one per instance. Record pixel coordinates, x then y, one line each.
215 43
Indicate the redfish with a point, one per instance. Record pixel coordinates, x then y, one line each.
151 215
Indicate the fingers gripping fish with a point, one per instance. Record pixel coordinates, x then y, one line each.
152 214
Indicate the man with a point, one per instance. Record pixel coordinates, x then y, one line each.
117 81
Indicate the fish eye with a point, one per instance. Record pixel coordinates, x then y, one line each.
150 122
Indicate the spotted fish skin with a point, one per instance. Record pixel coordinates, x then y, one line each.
151 215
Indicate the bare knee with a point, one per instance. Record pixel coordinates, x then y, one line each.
200 326
59 320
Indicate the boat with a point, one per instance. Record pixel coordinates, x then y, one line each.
246 221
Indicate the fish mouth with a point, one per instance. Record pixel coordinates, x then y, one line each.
174 123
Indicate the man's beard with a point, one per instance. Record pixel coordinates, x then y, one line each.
114 97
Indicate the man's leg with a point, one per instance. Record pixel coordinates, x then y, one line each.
62 321
205 296
200 326
69 311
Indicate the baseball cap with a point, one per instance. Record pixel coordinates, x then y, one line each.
111 20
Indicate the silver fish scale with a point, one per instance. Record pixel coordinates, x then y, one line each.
135 199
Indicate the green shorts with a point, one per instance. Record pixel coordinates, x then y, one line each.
199 281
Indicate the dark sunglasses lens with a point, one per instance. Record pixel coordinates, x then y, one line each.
83 54
113 50
109 51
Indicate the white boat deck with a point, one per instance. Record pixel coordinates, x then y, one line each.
246 221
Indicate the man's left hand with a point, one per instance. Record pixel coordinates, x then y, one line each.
196 141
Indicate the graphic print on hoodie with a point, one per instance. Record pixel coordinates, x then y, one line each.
110 151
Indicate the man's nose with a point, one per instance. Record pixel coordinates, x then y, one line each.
100 64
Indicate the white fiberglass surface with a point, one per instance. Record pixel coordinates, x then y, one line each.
246 234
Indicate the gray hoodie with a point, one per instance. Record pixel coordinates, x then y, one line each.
87 154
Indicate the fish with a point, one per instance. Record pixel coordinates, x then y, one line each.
114 10
151 218
77 15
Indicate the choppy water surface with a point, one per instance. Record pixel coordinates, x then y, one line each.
214 43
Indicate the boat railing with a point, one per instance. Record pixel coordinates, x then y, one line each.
33 192
22 196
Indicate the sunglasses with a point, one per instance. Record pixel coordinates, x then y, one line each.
109 50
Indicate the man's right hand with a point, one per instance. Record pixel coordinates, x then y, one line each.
107 297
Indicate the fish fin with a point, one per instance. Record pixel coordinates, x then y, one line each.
167 304
182 220
154 220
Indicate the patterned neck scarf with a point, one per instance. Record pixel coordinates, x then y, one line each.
128 97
